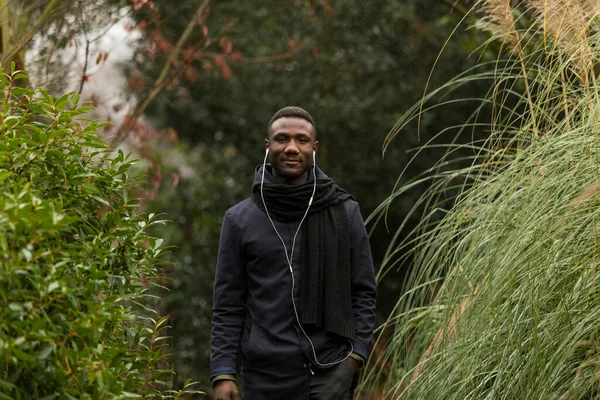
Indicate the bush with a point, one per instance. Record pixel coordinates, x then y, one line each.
75 259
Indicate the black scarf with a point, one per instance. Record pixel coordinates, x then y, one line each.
325 293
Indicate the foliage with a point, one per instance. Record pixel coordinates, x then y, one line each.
75 260
51 26
503 298
207 183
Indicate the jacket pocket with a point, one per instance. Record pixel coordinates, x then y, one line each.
261 352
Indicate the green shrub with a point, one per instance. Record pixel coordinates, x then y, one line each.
75 259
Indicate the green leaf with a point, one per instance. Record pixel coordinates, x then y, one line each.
27 254
129 395
52 286
4 175
11 120
89 187
15 307
44 352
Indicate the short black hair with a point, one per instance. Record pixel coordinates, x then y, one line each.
292 111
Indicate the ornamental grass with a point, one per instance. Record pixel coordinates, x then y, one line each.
503 296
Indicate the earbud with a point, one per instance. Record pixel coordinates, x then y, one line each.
265 161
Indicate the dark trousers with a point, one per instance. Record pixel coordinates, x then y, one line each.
334 383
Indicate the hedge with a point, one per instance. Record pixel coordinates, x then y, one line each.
76 263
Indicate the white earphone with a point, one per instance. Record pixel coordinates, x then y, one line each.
289 257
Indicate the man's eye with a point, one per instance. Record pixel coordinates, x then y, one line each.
281 140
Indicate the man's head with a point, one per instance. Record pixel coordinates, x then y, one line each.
291 141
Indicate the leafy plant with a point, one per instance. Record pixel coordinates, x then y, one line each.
75 260
503 299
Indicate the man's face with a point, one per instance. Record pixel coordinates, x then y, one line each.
291 144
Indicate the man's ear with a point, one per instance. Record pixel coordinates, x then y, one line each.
266 144
315 146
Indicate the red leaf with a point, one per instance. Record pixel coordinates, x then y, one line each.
236 56
190 74
226 45
188 53
219 60
226 70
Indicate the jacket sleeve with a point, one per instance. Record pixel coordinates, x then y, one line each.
363 283
228 301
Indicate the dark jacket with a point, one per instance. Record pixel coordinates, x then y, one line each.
252 306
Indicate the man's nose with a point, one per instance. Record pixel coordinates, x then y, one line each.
291 148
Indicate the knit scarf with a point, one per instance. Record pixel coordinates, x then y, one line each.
325 293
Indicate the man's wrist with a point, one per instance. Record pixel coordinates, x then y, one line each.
358 358
222 377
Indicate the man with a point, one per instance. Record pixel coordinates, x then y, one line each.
294 285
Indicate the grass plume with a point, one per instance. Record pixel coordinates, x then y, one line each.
497 17
566 24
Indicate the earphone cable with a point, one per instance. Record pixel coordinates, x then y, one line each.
289 257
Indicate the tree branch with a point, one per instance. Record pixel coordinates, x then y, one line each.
260 59
4 25
8 55
86 55
163 78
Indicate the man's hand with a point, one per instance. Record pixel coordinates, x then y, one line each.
226 390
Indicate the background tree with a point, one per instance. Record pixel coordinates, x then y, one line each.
352 65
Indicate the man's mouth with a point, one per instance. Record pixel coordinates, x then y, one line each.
292 161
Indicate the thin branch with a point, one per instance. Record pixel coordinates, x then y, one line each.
184 37
8 56
4 24
85 66
162 80
86 55
110 26
261 59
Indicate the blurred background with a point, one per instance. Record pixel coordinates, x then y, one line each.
190 85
